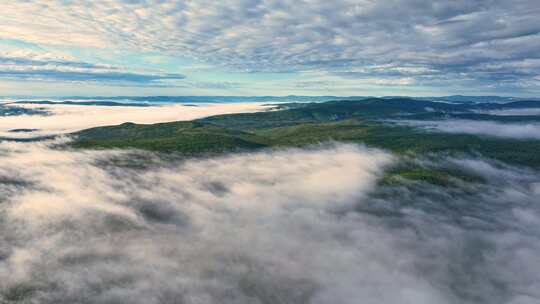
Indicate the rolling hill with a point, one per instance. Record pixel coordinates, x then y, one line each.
359 121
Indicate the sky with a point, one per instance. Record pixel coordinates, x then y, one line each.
270 47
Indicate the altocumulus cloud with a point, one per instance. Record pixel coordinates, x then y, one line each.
491 43
292 226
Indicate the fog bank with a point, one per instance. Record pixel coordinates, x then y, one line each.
475 127
290 226
70 118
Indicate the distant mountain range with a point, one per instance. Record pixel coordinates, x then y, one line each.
300 124
290 98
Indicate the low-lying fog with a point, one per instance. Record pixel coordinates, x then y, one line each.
63 118
514 112
291 226
529 130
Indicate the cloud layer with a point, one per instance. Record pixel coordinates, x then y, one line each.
490 44
70 118
229 230
513 112
476 127
292 226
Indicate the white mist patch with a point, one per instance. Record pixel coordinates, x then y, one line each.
488 128
513 112
248 228
289 226
71 118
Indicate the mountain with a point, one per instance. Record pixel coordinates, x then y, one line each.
270 99
186 137
360 121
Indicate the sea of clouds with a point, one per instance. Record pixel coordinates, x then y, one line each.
58 119
312 225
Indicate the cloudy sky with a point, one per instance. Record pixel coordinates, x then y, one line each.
269 47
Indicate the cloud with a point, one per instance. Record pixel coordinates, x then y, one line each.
512 112
489 43
481 228
62 119
475 127
21 68
85 76
190 231
290 226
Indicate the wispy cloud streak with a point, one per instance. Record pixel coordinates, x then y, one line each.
475 127
20 68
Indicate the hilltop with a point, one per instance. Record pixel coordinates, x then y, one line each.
359 121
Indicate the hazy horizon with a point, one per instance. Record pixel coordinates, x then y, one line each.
270 152
270 96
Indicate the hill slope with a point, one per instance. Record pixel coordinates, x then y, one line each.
348 121
186 137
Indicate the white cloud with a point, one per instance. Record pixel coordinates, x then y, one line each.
509 112
71 118
436 42
230 230
476 127
290 226
46 67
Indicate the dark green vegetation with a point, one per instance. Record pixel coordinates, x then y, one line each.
185 137
358 121
445 175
